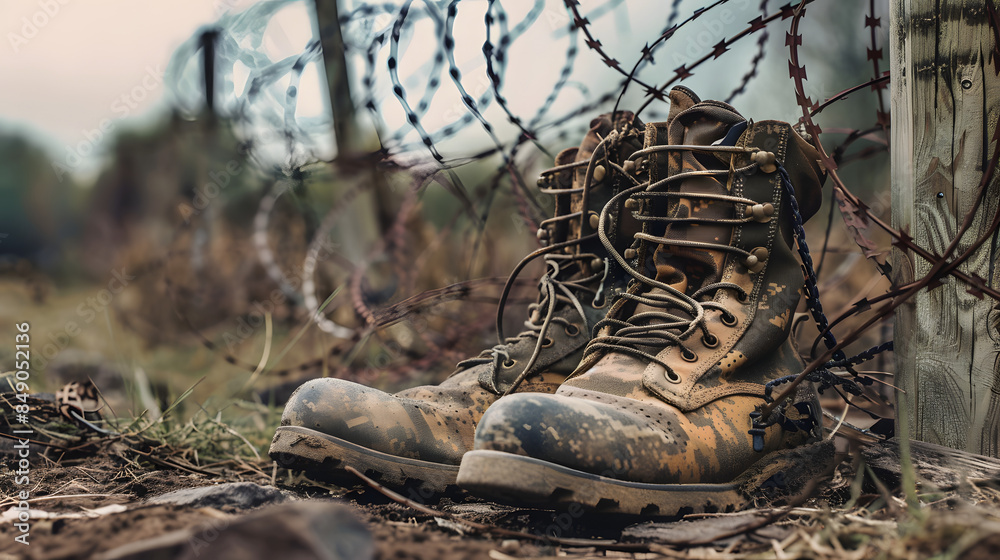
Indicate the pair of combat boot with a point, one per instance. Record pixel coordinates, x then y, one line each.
663 316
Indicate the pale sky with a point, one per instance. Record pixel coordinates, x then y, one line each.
66 72
71 66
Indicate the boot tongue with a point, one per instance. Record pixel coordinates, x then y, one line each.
690 268
687 269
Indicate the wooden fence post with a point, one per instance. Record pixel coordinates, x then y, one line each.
337 78
945 104
375 212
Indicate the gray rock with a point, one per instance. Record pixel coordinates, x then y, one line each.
306 530
707 530
240 495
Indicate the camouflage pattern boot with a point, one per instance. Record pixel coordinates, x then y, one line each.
656 418
416 438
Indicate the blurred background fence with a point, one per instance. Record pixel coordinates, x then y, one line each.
342 188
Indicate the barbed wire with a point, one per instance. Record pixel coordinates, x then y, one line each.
374 33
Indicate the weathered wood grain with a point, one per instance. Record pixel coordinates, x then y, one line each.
939 466
945 103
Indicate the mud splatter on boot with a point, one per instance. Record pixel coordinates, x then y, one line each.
656 418
416 438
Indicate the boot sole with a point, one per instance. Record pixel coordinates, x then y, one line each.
520 480
323 457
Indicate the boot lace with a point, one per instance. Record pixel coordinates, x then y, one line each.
677 315
561 286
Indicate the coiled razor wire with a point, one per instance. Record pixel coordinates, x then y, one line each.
267 105
822 377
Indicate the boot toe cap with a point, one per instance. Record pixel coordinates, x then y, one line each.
377 420
622 438
581 434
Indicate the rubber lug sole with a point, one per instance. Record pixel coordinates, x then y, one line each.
323 457
520 480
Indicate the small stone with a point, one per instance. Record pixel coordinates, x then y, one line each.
300 530
241 495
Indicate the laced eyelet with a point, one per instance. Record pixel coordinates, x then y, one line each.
710 340
688 356
762 213
548 342
729 319
742 297
571 329
507 364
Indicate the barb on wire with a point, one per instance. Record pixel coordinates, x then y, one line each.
686 70
941 265
758 57
875 55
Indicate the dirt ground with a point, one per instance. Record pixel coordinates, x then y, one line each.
99 506
398 532
103 496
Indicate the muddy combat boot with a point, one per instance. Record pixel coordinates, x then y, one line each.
657 417
416 438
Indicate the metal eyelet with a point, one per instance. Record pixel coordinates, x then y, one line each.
507 364
756 260
571 329
762 213
547 342
671 376
729 319
765 160
742 297
688 356
710 340
599 173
